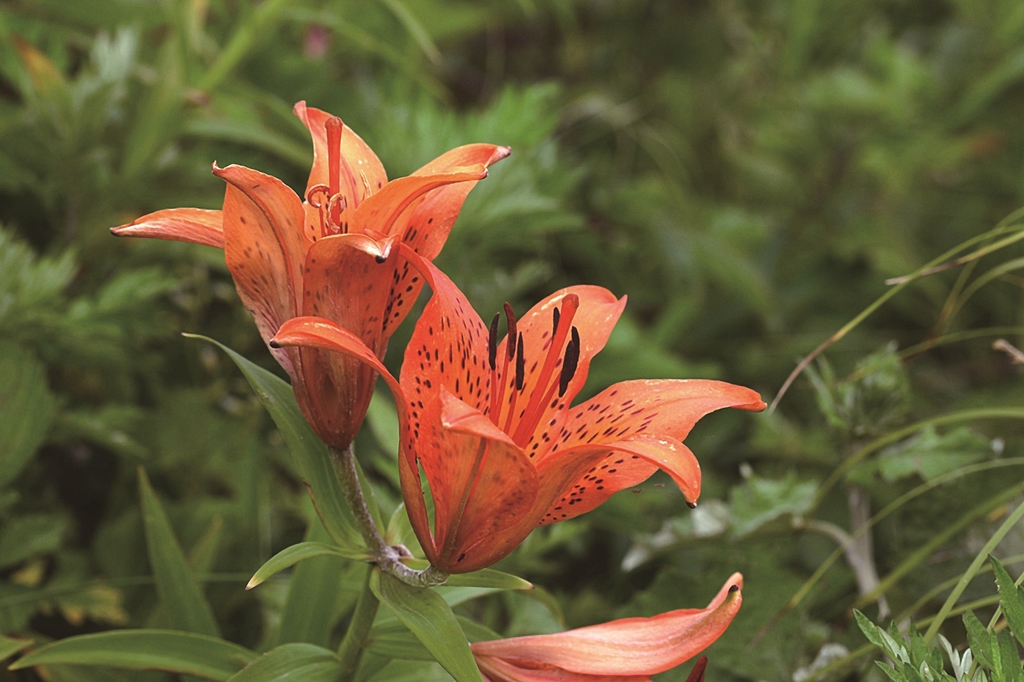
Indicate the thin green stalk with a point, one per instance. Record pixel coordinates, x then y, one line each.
975 566
927 549
388 558
900 284
352 645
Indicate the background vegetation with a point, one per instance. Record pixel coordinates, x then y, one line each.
749 173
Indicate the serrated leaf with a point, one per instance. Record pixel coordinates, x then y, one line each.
179 592
760 501
1011 598
1009 658
980 640
430 618
182 652
931 455
310 454
292 662
304 550
26 409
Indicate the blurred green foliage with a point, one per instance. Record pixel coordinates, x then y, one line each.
748 173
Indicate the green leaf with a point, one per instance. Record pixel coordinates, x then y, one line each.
430 618
981 641
931 455
1011 598
9 646
870 630
761 501
313 606
293 662
182 597
30 535
304 550
311 455
1009 658
392 639
181 652
27 407
488 577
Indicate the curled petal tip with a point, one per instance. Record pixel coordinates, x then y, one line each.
500 153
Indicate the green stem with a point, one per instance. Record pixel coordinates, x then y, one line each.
351 649
388 558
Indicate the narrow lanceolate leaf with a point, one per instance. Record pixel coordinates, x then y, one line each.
1011 598
981 641
179 592
430 618
313 605
26 409
488 577
304 550
9 647
292 663
393 640
179 652
310 453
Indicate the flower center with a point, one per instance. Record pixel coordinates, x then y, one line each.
542 388
332 200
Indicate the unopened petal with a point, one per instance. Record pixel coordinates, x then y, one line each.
630 646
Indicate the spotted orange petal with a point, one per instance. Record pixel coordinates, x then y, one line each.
264 248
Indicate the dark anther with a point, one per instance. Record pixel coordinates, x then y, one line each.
555 314
691 505
380 258
492 342
511 317
734 588
520 365
572 357
274 344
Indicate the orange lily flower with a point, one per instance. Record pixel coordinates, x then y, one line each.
331 255
626 650
492 424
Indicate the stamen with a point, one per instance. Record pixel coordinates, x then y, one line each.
520 364
572 357
367 190
543 388
498 381
492 342
511 317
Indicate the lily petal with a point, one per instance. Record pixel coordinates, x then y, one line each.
427 227
661 407
192 225
347 279
500 670
597 313
582 478
357 159
264 248
485 484
630 646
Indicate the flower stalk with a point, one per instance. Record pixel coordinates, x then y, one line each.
388 558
